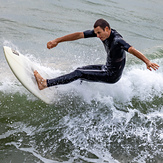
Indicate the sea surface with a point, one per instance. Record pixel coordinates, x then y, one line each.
88 122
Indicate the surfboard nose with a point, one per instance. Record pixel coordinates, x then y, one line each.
4 48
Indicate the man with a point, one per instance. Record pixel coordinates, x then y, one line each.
111 72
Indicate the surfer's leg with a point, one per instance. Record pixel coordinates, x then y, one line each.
65 79
99 73
42 83
95 73
77 74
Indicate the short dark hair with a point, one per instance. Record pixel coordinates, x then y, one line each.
101 23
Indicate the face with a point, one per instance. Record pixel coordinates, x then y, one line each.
102 34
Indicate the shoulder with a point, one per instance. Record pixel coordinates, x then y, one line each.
89 33
118 39
115 34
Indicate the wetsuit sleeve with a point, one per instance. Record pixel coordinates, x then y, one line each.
89 33
123 44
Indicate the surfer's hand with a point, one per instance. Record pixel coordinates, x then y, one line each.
150 65
52 44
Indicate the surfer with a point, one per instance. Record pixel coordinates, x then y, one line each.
110 72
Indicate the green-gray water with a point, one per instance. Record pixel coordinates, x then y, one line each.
88 122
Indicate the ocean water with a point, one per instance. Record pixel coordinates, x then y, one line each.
88 122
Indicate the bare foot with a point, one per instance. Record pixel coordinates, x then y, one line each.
42 83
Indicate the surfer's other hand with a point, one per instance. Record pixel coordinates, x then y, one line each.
154 66
52 44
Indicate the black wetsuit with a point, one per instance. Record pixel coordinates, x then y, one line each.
111 72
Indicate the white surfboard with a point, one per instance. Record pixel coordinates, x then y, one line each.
23 69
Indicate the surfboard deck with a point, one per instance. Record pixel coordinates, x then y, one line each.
23 68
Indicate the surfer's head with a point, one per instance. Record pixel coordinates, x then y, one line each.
102 29
102 24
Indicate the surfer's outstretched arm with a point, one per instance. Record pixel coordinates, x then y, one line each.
69 37
139 55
